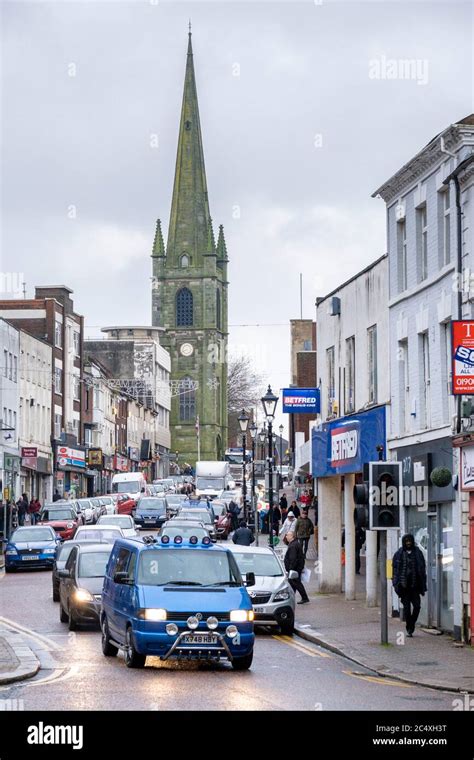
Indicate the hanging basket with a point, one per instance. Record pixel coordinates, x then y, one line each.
441 477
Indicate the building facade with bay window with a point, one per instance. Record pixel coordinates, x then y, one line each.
427 201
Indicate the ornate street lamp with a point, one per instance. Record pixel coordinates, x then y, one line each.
269 402
253 434
243 420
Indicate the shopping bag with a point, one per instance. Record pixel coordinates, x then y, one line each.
306 575
293 575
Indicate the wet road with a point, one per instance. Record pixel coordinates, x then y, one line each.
75 674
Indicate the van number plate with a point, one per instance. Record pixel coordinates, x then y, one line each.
199 638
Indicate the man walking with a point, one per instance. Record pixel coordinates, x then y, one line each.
294 565
22 505
243 536
409 579
304 529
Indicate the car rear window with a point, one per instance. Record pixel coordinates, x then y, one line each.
93 564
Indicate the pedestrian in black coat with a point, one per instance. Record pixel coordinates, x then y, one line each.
283 503
243 536
409 579
294 565
22 505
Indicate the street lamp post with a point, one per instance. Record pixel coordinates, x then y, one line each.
269 402
243 422
281 454
253 435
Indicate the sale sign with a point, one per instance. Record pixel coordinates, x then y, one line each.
462 332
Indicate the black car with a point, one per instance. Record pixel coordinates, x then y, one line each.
81 581
151 512
62 555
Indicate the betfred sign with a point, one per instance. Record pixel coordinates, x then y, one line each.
344 446
301 401
462 332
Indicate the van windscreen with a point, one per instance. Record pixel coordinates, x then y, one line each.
126 486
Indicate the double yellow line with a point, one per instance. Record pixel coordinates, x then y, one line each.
301 647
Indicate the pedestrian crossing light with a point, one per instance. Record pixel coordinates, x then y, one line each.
385 495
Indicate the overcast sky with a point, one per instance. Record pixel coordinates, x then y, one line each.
297 135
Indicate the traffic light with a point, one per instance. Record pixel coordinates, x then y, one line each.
385 495
361 499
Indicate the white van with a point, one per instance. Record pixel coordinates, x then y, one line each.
132 483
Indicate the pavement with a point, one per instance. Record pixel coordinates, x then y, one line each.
17 660
350 628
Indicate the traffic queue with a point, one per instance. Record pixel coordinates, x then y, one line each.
175 594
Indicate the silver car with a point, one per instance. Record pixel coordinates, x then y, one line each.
272 597
125 523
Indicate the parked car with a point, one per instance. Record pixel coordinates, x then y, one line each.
97 533
273 599
99 507
223 518
184 528
126 505
200 515
31 546
157 490
63 519
88 510
175 501
169 605
125 522
109 504
150 512
80 588
65 503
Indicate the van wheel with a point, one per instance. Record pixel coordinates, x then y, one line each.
133 659
242 663
62 615
108 649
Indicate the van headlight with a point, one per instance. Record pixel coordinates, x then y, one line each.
155 614
241 616
282 595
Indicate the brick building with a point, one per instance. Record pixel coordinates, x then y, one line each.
50 316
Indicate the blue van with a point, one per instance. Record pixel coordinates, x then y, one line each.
180 599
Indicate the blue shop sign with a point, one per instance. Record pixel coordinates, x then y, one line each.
301 401
344 445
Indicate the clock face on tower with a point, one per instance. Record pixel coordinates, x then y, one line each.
186 349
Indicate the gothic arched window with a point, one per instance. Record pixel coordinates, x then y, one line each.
184 261
184 308
218 309
187 400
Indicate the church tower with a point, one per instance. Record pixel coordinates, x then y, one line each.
189 297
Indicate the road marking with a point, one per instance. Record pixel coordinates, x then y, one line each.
301 647
47 643
379 680
62 675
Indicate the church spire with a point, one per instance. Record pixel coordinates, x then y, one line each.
190 217
158 243
221 247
